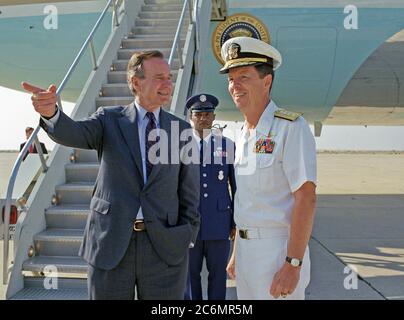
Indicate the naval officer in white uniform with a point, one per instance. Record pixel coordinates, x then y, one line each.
276 177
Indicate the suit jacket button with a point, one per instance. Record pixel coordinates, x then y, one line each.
205 195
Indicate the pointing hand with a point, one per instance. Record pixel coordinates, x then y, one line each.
44 101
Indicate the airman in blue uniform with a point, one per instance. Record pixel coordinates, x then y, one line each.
218 187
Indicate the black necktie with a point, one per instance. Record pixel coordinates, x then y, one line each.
202 142
149 142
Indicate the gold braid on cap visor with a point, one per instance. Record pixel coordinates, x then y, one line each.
244 60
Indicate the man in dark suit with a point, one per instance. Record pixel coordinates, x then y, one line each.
144 213
32 148
218 186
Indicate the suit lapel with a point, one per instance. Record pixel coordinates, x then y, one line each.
129 128
165 126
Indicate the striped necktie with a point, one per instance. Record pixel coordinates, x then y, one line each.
151 125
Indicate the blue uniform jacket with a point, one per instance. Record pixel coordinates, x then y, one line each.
218 186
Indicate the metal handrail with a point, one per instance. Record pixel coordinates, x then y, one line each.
34 135
10 188
176 44
89 41
197 26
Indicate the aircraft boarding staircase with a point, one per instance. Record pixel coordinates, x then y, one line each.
50 233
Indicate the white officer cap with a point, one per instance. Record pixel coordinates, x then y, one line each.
245 51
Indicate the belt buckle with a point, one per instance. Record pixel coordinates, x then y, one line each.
137 222
243 234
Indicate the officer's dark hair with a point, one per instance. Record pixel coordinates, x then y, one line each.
135 65
263 70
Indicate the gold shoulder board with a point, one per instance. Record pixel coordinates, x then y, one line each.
287 115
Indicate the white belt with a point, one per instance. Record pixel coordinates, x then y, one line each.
262 233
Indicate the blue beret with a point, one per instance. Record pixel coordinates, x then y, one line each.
202 103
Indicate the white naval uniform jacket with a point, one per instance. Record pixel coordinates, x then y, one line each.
264 199
267 181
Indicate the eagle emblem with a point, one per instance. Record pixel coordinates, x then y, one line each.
232 51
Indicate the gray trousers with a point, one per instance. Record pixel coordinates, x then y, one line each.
142 271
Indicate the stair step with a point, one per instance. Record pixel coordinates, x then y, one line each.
121 89
120 66
67 216
126 54
157 36
80 172
75 193
113 101
160 15
149 44
66 267
158 31
58 242
118 76
63 283
177 2
155 22
54 294
84 155
110 101
162 7
116 90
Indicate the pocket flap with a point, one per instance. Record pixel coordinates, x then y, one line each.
172 218
265 160
99 205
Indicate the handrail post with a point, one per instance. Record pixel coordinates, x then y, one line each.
197 26
190 10
115 14
179 51
40 153
60 103
177 34
93 55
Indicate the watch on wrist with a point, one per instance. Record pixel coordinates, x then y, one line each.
294 261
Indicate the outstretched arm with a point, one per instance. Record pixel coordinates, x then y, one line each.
85 134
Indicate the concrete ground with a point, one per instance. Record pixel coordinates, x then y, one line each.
7 160
3 288
359 222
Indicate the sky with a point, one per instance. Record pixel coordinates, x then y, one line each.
16 113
